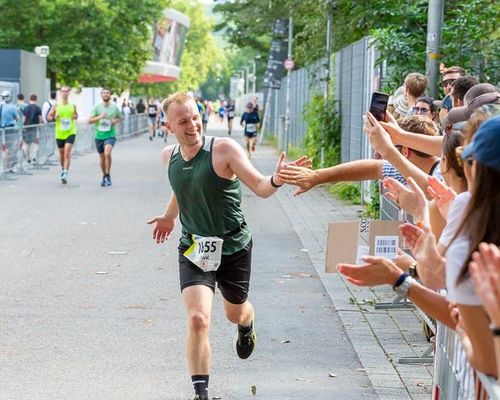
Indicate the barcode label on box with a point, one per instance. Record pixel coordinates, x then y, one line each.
386 246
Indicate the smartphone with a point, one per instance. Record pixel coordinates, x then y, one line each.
378 106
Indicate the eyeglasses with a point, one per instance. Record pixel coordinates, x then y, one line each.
458 153
447 82
419 110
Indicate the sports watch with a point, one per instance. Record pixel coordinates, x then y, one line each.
403 284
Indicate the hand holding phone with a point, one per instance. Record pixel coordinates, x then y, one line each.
378 105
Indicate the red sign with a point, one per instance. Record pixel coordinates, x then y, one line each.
289 64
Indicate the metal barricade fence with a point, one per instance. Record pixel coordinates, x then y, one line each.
37 143
454 377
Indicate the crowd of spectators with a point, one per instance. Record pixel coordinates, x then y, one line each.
440 163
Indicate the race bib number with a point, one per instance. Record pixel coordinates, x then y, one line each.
231 114
205 252
251 128
65 124
105 125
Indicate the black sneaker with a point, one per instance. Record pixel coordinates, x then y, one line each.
107 180
245 342
103 182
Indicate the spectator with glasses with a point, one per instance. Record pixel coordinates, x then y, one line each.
425 106
449 76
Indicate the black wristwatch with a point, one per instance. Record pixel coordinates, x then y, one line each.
273 184
412 270
495 330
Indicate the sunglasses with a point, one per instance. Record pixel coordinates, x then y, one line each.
458 153
447 82
419 110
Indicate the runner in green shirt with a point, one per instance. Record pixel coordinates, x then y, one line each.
105 116
64 114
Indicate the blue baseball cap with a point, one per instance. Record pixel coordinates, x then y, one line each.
485 146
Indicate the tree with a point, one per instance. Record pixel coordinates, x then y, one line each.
92 43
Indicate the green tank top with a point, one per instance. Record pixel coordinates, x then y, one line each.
209 205
65 124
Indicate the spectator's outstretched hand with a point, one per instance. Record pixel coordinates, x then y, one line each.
485 272
411 199
442 194
376 271
303 177
301 162
422 244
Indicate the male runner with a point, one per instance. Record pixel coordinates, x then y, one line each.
251 121
65 115
216 246
152 118
105 115
230 110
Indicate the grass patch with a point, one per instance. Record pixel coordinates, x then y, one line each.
346 191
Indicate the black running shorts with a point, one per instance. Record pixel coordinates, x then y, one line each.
62 142
232 277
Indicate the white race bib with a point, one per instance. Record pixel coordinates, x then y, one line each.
65 124
205 252
231 114
105 125
251 128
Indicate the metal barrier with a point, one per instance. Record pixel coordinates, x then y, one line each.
36 144
454 377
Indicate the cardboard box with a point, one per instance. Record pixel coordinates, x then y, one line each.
349 241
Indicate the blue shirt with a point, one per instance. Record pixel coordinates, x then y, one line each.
9 115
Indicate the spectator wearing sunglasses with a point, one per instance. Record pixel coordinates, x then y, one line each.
449 76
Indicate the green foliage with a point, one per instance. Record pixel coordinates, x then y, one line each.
323 132
470 35
92 43
373 207
347 191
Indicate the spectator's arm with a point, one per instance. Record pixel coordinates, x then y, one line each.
408 169
432 145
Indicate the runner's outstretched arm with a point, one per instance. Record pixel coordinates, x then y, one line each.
237 161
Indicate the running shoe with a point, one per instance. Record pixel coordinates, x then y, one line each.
103 182
245 342
64 177
107 180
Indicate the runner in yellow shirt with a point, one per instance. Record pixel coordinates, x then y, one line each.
64 114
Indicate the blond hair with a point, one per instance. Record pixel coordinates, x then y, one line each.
416 84
178 97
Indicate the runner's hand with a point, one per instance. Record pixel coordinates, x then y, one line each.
443 195
163 228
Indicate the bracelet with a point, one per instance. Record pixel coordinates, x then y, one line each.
400 280
495 330
274 184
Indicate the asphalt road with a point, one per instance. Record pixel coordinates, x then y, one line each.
90 306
